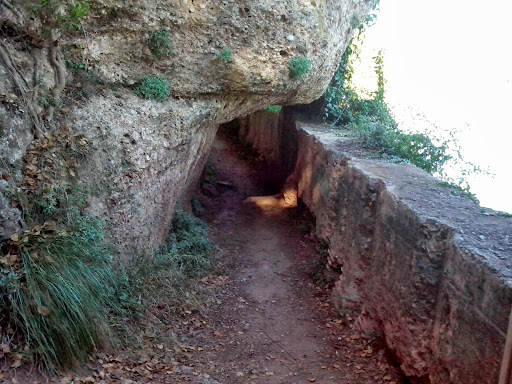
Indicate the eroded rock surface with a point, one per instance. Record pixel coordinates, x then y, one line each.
428 269
142 155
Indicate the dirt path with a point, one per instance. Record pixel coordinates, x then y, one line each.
267 321
274 325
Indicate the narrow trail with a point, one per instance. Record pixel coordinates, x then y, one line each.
265 317
274 325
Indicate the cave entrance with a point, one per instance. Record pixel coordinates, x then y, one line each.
262 168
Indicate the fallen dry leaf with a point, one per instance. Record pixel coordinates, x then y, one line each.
17 361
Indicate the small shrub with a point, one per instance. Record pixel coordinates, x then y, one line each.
299 66
153 88
75 66
226 56
188 244
160 44
78 10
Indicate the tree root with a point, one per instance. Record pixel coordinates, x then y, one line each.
55 60
19 16
21 85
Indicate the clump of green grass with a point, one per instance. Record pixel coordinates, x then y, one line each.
188 245
57 282
226 56
160 44
153 88
299 66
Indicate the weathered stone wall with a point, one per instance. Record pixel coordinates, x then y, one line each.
428 269
140 156
266 138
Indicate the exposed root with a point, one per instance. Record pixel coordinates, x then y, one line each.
55 60
21 85
17 14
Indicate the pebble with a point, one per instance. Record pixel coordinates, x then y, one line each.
290 37
186 369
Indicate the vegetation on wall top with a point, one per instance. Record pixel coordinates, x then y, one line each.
367 115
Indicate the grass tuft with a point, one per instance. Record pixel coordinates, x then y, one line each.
57 283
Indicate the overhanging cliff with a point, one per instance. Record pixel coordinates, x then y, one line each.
70 116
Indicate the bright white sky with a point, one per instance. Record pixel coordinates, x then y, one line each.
453 60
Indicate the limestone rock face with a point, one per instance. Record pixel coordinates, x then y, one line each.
137 158
261 36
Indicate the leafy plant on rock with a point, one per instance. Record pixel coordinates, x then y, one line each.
153 88
226 56
299 66
160 44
